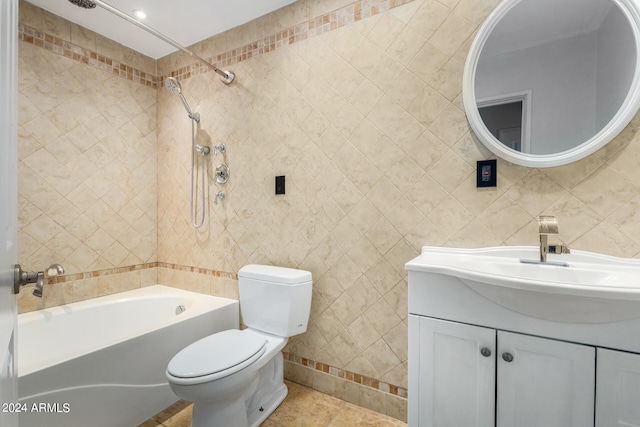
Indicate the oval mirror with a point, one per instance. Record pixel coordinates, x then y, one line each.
548 82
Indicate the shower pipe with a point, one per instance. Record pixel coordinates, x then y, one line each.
226 76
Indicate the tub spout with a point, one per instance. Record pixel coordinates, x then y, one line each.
54 270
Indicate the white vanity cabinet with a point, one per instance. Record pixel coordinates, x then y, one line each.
618 392
543 382
455 370
490 356
482 377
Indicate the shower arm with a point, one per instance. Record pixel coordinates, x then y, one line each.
227 76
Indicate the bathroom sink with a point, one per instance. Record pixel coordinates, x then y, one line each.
583 274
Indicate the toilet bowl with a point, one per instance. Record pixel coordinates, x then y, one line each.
235 377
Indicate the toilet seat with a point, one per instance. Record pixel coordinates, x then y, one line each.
216 356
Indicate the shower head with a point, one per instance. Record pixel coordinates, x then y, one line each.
86 4
173 86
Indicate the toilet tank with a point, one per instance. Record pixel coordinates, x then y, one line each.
275 300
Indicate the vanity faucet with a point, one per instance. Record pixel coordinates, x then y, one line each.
549 225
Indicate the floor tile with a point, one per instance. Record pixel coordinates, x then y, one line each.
303 407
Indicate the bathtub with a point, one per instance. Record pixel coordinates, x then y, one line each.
102 362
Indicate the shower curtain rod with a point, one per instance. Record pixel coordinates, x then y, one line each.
227 76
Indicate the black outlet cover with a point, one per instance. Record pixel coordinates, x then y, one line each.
280 184
486 175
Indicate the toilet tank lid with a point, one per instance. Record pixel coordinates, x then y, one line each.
271 273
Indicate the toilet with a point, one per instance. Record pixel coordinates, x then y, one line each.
235 377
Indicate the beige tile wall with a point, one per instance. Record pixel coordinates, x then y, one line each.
366 121
87 156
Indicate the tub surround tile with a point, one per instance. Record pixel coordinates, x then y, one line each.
68 288
27 302
109 285
65 289
85 289
66 31
84 203
50 39
54 296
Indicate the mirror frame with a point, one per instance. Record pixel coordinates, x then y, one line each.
622 118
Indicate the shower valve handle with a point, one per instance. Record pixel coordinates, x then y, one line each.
219 195
219 149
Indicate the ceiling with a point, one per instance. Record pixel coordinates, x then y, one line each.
186 21
536 22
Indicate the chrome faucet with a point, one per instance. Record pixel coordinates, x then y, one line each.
549 225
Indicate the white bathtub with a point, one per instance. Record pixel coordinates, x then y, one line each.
102 362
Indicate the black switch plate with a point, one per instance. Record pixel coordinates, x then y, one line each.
280 184
487 173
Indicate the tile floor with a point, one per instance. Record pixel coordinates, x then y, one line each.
303 407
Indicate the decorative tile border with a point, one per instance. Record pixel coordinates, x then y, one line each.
198 270
119 270
99 273
69 50
314 27
347 375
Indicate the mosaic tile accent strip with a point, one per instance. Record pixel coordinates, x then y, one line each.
314 27
100 273
119 270
69 50
311 28
198 270
347 375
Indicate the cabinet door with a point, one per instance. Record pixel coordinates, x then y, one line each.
618 393
456 375
544 383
